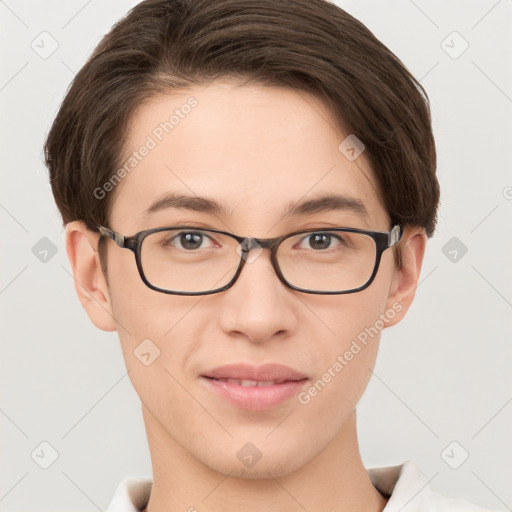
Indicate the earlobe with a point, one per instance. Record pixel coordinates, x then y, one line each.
405 280
90 284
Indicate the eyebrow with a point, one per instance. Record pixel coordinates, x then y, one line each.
207 205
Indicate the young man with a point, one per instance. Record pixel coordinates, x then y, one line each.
248 187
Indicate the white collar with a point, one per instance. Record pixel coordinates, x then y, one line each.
405 485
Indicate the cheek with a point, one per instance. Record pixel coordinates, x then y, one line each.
139 311
153 323
157 344
152 326
347 351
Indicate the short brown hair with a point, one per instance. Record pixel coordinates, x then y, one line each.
308 45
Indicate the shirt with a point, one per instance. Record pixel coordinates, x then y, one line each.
405 485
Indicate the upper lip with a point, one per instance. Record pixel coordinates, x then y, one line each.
266 372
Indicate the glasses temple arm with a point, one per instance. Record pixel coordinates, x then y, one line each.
394 235
116 237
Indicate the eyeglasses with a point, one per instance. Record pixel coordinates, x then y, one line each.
186 260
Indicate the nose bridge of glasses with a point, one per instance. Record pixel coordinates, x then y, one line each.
250 243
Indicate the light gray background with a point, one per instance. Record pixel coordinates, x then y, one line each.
443 374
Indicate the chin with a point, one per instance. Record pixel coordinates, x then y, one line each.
270 466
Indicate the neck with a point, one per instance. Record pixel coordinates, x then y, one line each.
334 480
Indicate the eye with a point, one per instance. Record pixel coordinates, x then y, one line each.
322 241
189 240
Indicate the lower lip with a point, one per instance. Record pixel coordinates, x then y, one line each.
256 398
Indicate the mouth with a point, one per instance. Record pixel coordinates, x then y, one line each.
254 395
259 383
247 374
252 387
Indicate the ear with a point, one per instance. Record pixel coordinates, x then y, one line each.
405 279
90 284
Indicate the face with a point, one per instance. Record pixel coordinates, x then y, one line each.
256 150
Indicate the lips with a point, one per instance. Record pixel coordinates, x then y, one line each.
248 375
248 382
256 388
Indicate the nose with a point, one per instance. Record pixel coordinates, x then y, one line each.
258 306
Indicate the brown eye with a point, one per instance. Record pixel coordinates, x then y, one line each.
321 241
189 240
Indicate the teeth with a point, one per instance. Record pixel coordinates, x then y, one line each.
246 382
267 382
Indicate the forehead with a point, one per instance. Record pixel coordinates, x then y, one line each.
249 154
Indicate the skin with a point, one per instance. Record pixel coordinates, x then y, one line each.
257 149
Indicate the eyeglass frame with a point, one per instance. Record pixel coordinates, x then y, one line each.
383 240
